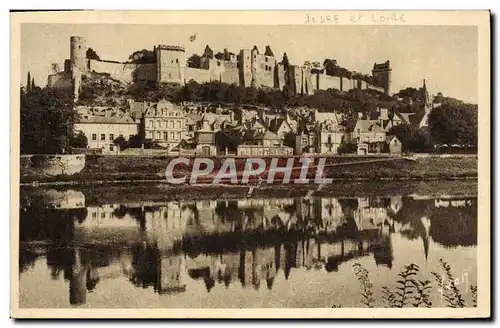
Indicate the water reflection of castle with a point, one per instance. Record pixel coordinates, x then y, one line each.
168 246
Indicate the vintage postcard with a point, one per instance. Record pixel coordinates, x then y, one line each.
250 164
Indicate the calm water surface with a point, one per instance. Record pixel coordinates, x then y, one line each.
280 252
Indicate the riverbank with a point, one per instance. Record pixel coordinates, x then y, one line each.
151 193
133 169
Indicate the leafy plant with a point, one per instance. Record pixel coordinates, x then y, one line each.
422 296
449 291
473 290
366 285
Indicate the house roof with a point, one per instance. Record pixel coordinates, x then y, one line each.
390 137
194 117
116 119
405 117
256 135
363 126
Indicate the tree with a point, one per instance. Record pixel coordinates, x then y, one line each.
285 62
411 137
121 142
91 54
78 140
47 121
55 67
290 139
143 56
219 56
28 83
194 61
193 91
454 124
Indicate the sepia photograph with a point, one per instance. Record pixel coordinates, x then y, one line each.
222 164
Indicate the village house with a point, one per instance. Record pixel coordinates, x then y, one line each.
262 144
329 138
205 140
282 126
165 124
102 126
393 145
305 140
368 135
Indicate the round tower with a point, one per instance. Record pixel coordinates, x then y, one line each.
78 54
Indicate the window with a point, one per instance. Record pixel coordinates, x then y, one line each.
111 147
218 63
178 124
158 135
151 123
266 67
178 136
172 61
165 135
94 136
103 215
172 135
94 215
177 60
171 124
111 136
237 65
329 139
169 75
103 137
266 59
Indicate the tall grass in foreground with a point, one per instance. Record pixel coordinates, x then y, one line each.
411 291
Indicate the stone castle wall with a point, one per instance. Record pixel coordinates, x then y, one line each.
249 68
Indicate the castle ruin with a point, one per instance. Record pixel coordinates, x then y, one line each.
248 68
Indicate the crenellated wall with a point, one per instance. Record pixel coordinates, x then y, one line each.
326 82
196 74
61 80
230 76
249 68
119 71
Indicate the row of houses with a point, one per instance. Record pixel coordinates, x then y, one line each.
243 132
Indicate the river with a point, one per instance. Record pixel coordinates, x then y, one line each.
79 250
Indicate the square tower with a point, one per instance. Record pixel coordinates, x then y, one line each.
381 74
171 64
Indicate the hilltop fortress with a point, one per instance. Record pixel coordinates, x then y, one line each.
250 68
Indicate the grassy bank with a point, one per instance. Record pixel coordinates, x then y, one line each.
120 168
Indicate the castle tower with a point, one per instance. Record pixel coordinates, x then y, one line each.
170 64
381 74
78 53
245 67
254 68
78 62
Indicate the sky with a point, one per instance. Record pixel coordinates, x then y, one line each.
446 56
